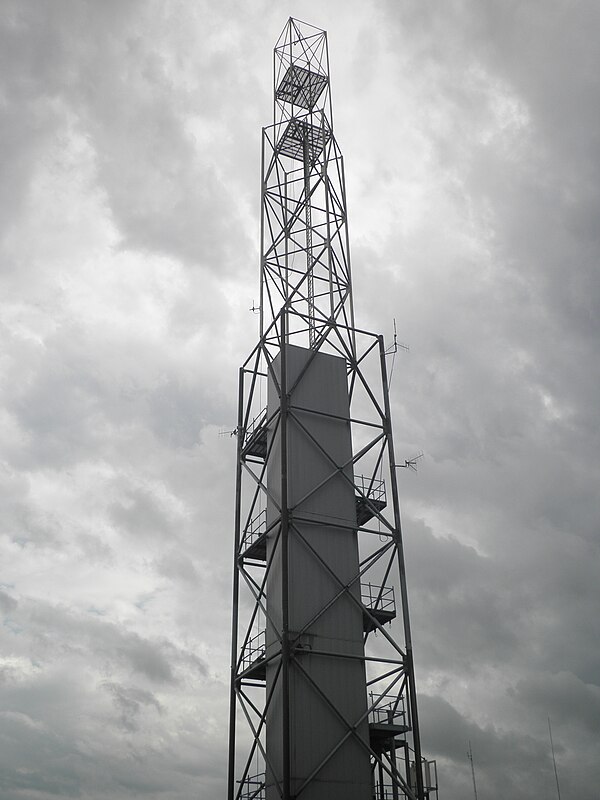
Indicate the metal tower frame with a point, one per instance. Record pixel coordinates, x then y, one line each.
306 300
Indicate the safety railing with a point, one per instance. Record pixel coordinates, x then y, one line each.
254 650
388 710
378 598
371 488
253 788
255 528
255 425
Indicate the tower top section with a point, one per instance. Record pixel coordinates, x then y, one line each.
301 73
305 267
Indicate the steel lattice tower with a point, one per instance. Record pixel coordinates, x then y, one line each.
323 698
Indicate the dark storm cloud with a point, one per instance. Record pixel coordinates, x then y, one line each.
118 146
472 610
540 193
56 632
448 734
174 565
62 776
78 694
500 388
139 514
63 397
569 699
130 701
30 112
129 240
7 603
127 97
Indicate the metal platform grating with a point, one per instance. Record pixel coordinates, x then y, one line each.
301 87
297 133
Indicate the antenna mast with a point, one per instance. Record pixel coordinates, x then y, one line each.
553 759
470 757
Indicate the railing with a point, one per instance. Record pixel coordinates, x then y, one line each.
429 773
370 488
255 424
389 709
430 777
255 528
387 791
253 788
377 598
254 650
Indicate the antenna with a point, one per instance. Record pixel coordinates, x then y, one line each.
396 345
223 432
410 463
553 758
470 757
254 308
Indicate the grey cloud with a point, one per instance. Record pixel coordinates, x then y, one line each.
70 754
116 88
564 696
29 115
140 513
130 701
7 603
22 734
86 701
175 566
95 549
524 767
470 135
66 395
59 633
146 659
460 604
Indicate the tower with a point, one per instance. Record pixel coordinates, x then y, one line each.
323 698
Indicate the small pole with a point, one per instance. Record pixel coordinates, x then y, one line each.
470 757
553 758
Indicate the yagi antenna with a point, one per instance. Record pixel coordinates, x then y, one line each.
410 463
223 432
254 309
396 345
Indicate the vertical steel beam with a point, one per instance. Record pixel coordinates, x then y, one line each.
409 663
235 592
285 531
309 243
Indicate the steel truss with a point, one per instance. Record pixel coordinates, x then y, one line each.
306 300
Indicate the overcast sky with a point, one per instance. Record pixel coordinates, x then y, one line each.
129 219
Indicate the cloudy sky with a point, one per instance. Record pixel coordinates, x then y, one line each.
129 203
